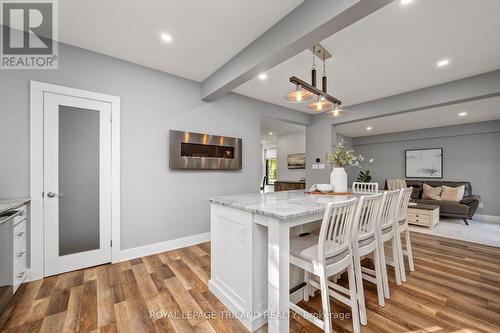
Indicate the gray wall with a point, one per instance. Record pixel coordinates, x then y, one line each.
291 143
320 138
158 204
471 153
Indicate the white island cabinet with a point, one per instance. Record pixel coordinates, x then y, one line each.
250 240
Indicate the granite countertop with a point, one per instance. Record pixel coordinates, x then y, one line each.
7 204
280 205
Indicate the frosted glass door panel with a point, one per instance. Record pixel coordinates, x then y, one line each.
78 180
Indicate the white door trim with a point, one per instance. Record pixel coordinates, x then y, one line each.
37 90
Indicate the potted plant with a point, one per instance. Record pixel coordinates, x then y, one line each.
340 159
364 174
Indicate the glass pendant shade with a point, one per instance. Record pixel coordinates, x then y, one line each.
336 112
299 95
321 104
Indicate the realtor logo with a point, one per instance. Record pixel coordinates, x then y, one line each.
29 32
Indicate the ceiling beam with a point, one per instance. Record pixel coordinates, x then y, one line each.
306 25
454 92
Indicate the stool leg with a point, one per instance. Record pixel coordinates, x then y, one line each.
378 277
383 267
354 302
409 250
325 300
359 288
395 259
307 279
400 256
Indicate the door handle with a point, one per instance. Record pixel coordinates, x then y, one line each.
52 195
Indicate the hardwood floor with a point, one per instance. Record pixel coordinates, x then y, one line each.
455 288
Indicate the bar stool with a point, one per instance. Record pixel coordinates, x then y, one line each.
324 256
358 187
401 226
385 233
364 244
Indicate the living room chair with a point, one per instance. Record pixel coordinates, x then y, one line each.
401 226
359 187
364 244
324 256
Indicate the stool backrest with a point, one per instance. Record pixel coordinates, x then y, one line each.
365 187
336 229
404 200
387 211
366 216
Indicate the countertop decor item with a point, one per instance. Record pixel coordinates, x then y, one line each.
324 187
341 158
364 174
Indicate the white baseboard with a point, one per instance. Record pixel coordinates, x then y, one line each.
486 218
169 245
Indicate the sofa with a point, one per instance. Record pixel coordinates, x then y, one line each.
464 209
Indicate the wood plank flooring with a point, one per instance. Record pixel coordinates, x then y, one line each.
455 288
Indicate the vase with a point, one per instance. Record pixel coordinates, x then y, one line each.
338 179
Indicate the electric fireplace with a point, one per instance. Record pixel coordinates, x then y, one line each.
204 151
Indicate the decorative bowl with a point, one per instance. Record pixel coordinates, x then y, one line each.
324 187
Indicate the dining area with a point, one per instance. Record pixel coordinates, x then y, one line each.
272 253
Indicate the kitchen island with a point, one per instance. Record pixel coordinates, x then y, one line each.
250 249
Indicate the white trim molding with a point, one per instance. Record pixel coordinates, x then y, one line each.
37 92
169 245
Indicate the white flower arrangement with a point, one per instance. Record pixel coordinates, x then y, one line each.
343 157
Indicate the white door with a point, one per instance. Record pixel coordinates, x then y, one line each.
77 183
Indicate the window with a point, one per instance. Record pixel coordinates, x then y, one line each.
271 165
271 171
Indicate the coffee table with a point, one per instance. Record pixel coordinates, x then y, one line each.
423 215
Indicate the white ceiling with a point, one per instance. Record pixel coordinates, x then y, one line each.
395 50
480 110
206 34
277 127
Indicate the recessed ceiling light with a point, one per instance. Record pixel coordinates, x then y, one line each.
405 2
262 76
166 38
442 63
369 128
462 114
270 133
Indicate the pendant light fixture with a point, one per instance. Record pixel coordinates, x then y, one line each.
304 91
299 95
336 111
322 104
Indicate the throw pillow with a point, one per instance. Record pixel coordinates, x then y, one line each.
453 193
433 193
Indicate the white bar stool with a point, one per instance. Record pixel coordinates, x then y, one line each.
385 233
359 187
324 256
365 244
401 226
